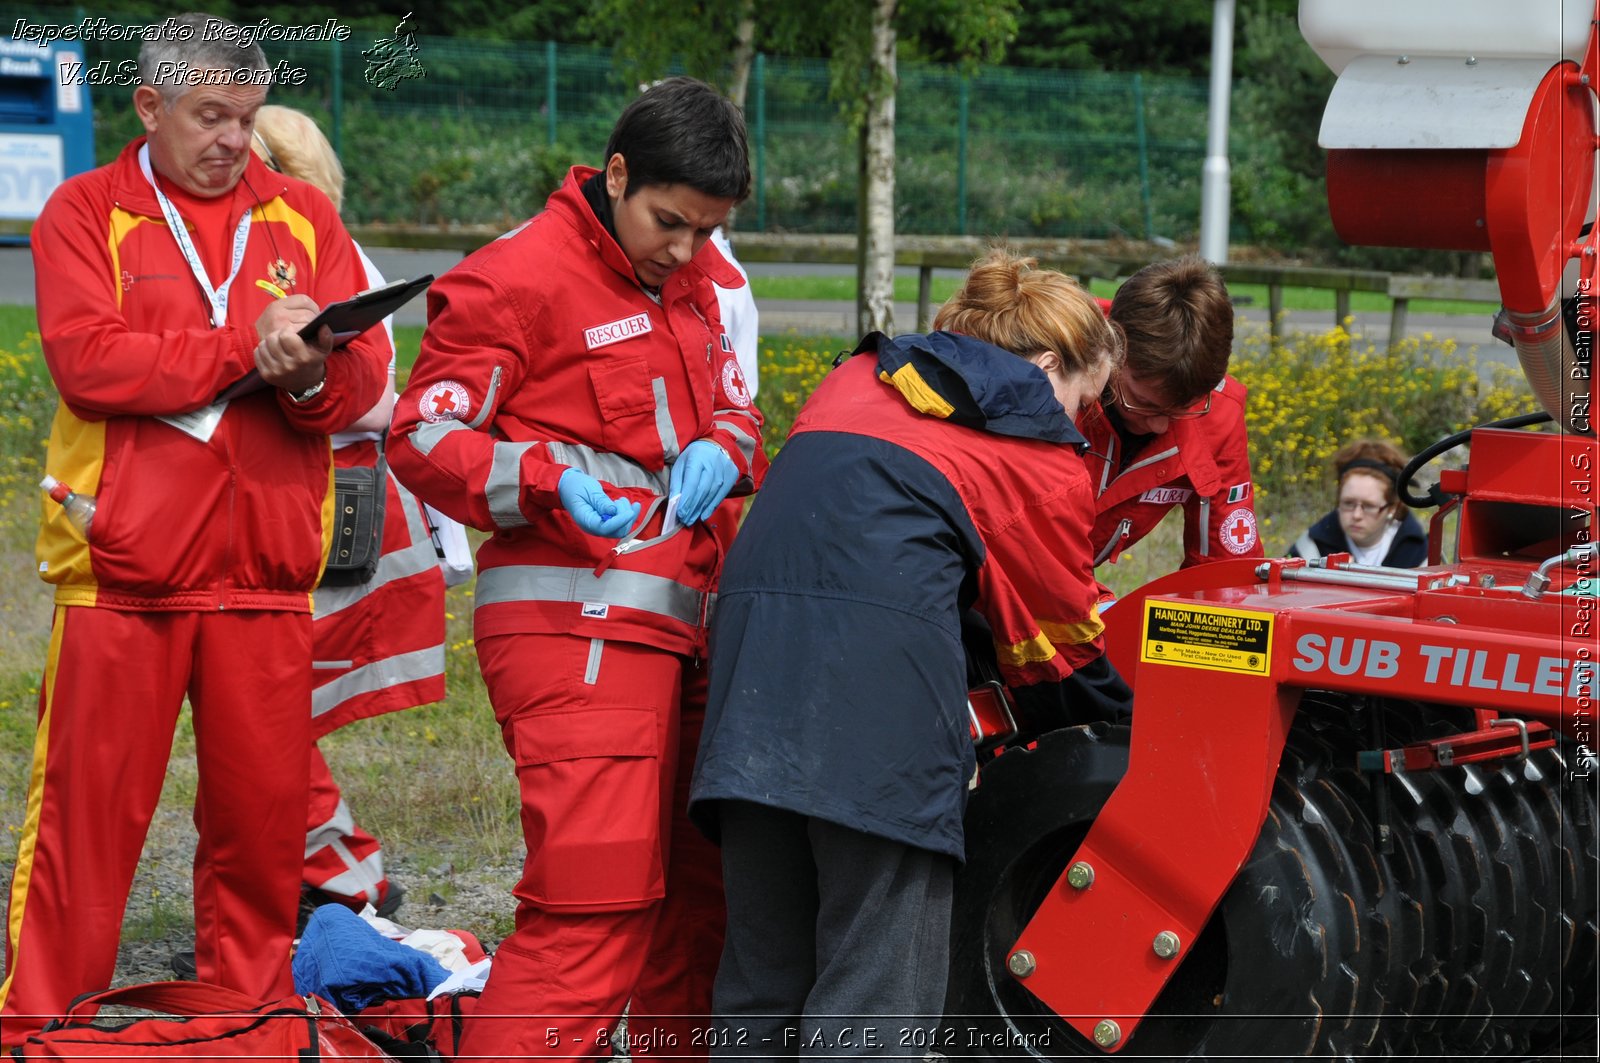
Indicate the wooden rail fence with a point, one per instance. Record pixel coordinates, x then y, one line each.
1084 260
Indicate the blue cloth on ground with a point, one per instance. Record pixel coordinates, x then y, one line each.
342 959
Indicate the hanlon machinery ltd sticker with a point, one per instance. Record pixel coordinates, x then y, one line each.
1207 636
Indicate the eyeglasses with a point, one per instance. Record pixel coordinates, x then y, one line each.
271 160
1183 414
1366 509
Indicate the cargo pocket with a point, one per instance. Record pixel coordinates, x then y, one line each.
626 397
591 807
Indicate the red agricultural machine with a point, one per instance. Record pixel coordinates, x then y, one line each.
1355 814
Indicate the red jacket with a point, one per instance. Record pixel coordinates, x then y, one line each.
240 521
542 353
1202 464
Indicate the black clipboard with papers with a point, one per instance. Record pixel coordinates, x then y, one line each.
348 319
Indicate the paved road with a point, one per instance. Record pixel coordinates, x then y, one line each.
812 318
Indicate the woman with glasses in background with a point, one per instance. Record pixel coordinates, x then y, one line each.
1170 430
1368 521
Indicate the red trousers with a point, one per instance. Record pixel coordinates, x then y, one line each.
108 706
620 898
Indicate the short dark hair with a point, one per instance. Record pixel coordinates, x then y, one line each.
1178 321
683 131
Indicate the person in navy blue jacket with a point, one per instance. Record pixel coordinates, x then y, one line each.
1368 521
927 475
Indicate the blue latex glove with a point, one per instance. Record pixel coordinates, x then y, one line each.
592 509
701 478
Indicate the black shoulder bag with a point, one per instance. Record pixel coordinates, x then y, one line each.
359 495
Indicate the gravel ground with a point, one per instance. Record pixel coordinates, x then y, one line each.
160 911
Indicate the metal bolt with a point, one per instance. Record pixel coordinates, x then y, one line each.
1486 580
1166 944
1080 876
1107 1033
1022 963
1403 60
1472 60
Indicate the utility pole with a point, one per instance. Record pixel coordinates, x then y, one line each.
1214 177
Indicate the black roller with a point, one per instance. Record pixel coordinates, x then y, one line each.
1472 934
1264 978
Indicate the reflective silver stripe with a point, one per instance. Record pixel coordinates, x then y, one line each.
632 590
428 434
591 672
503 490
401 564
747 443
669 434
612 468
361 876
488 398
1150 460
1205 526
379 675
341 824
1111 463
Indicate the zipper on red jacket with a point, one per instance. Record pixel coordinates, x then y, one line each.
227 552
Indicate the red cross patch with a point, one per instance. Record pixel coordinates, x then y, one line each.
1239 531
733 384
444 401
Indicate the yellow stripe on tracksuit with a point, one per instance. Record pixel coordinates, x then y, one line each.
922 398
122 223
23 875
1041 647
79 448
300 227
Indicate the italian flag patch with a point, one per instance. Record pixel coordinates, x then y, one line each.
1239 492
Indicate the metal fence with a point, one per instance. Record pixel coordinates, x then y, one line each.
490 128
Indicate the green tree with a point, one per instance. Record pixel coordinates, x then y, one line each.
862 39
1279 192
1173 37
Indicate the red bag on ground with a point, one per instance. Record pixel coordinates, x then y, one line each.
201 1021
415 1023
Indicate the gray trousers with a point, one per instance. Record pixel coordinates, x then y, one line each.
838 942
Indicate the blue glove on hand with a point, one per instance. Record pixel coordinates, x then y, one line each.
590 507
701 478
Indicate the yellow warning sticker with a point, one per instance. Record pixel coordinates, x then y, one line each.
1207 636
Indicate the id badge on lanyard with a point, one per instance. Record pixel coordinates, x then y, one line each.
201 423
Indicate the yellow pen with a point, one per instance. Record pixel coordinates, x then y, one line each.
272 289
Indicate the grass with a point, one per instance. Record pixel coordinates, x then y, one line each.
842 288
435 783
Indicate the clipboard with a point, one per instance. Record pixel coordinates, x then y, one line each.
350 317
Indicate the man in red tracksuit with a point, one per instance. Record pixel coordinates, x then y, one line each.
1171 429
211 526
575 387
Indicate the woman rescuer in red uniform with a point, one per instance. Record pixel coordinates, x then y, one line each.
576 388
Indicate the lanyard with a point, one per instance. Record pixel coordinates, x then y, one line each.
218 298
